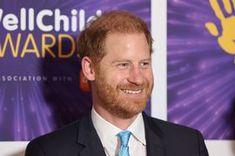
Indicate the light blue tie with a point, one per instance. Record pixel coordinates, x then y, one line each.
124 137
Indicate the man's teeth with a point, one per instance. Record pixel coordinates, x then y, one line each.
131 91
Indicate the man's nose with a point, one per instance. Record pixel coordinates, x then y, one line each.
136 75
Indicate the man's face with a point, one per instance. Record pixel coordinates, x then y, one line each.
123 78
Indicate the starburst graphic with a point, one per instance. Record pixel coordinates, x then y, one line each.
201 76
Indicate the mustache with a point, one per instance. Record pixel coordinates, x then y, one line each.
131 86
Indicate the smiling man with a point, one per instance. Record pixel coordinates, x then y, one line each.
115 51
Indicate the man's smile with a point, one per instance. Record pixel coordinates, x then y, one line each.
131 91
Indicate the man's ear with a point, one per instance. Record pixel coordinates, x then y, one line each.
88 68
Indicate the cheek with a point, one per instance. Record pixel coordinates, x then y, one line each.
118 76
111 80
148 75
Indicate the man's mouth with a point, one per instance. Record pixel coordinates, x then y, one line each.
129 91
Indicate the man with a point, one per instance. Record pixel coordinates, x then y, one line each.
115 51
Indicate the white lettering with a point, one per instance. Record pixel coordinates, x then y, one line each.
81 20
31 19
98 13
61 18
74 20
23 19
40 23
45 20
1 12
22 78
10 21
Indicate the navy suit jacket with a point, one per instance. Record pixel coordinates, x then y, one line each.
81 139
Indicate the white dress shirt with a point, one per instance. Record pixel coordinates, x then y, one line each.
107 133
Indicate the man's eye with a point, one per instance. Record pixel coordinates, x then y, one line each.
145 64
123 65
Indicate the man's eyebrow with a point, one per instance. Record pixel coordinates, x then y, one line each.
129 61
120 61
147 59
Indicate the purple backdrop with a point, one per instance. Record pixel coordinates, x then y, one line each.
39 94
201 75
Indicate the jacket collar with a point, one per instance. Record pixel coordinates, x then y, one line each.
154 137
88 138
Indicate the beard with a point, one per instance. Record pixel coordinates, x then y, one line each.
120 104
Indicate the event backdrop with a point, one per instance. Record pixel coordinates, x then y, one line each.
41 88
201 66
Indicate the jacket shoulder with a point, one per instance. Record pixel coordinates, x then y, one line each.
178 138
172 130
167 126
55 142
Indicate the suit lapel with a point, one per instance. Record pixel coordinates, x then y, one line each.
90 143
154 138
89 139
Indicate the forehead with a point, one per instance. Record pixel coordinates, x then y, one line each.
126 43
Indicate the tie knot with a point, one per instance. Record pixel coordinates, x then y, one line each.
124 137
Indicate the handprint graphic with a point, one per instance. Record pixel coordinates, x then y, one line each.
226 38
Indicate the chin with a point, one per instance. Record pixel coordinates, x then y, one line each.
129 112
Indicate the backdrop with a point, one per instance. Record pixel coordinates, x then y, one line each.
201 69
41 88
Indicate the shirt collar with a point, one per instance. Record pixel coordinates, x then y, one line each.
107 131
137 129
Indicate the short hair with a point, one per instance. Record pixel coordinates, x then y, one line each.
91 40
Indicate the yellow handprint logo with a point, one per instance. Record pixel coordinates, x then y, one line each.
226 39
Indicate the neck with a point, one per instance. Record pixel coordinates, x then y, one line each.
121 123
